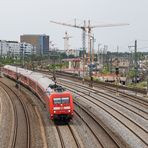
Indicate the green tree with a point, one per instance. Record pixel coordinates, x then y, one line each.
131 73
105 70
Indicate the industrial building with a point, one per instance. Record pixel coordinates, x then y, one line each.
40 42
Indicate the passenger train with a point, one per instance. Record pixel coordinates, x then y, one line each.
59 102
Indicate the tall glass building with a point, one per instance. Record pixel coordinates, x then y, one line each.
40 42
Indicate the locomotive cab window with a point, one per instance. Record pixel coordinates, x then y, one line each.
57 100
65 100
61 100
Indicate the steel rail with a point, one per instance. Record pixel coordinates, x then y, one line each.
9 89
92 101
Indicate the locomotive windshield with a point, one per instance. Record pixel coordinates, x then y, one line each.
64 100
57 100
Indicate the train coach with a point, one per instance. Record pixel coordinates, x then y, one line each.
59 102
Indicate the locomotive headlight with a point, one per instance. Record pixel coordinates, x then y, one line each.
54 111
69 111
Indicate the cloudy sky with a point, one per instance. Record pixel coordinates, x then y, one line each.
33 17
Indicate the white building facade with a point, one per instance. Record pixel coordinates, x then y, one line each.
27 49
15 49
74 52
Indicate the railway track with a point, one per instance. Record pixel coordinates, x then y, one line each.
139 108
18 139
138 127
124 93
74 142
101 141
109 86
60 137
107 90
114 89
94 103
74 136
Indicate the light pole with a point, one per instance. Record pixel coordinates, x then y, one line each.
117 72
22 54
1 48
147 84
83 65
23 57
90 68
1 60
98 53
17 78
53 57
135 64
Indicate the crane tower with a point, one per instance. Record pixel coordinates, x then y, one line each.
87 28
66 41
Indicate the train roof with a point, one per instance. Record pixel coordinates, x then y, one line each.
40 78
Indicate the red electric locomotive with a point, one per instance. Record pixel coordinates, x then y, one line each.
59 102
61 105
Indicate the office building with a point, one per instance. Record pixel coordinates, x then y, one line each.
15 49
40 42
